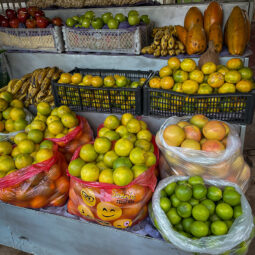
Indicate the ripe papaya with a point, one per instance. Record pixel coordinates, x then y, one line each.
215 35
193 16
181 33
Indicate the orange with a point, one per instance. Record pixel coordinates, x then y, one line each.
90 172
76 78
69 120
215 80
133 126
23 160
54 173
35 135
165 71
71 208
122 176
61 110
123 147
155 83
178 87
15 152
234 64
88 153
44 108
246 73
19 137
7 194
138 192
52 118
6 164
43 154
244 86
62 184
56 127
6 113
26 146
197 76
106 176
9 125
3 104
20 124
131 211
233 76
188 65
121 81
87 80
208 68
59 201
189 87
97 81
180 76
222 69
125 118
7 96
38 124
38 202
111 122
167 82
174 63
109 81
227 88
17 103
65 78
17 114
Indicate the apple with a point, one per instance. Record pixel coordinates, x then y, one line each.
70 22
106 17
145 19
57 21
133 20
5 22
86 23
14 23
135 84
42 22
78 26
10 14
39 13
22 10
120 17
32 9
133 12
1 18
76 18
31 23
22 16
113 24
97 23
89 14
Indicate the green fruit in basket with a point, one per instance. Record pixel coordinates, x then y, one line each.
120 17
86 23
106 17
130 137
199 229
121 81
7 96
163 193
123 147
231 197
238 211
46 144
75 167
133 12
89 15
173 216
214 217
193 201
199 191
229 223
97 23
133 20
209 204
195 180
186 223
219 228
111 122
113 23
224 211
102 131
183 192
174 200
145 19
35 135
122 161
70 22
109 158
150 159
246 73
88 153
200 212
214 193
184 209
134 84
165 204
170 188
143 144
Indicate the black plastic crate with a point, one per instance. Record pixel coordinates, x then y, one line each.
103 99
232 107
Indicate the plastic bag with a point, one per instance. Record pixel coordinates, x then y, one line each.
39 185
239 233
8 136
82 134
228 165
109 204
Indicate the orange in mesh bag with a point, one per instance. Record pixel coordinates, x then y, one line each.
80 135
109 204
38 185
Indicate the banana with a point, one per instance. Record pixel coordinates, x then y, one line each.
51 72
46 83
25 87
11 84
17 86
164 52
177 52
164 41
34 77
181 45
42 75
57 74
4 88
171 42
171 52
157 53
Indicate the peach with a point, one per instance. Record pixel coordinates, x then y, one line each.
214 130
173 135
199 120
191 144
192 132
203 140
182 124
213 146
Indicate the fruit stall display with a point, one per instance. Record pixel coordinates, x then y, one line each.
29 29
217 91
119 34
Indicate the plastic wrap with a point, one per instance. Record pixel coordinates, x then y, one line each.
8 136
109 204
38 185
228 165
82 134
239 233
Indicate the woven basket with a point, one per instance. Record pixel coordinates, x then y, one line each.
128 40
35 39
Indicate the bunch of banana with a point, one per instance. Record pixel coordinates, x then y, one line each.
35 87
165 43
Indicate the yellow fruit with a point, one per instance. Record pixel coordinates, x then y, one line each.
222 69
90 172
133 126
56 127
44 108
66 78
190 87
111 122
19 137
7 96
155 83
76 78
106 176
97 81
165 71
227 88
17 103
244 86
123 147
20 124
69 120
6 164
37 124
109 81
204 88
43 154
17 114
174 63
5 148
3 104
178 87
125 118
26 146
233 76
61 110
208 68
197 76
216 80
188 65
167 82
9 125
122 176
52 118
87 80
234 64
23 160
40 117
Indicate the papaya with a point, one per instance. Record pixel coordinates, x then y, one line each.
215 35
196 40
237 31
181 33
193 16
213 14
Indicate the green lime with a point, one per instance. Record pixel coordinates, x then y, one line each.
200 212
169 189
183 192
243 249
173 216
231 197
187 223
229 223
111 135
75 167
179 227
163 193
175 201
165 204
199 229
199 191
196 180
214 193
182 182
209 204
224 211
184 209
100 158
229 188
193 201
109 158
185 234
238 211
219 228
214 217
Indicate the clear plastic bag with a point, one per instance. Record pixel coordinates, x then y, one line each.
228 165
9 136
239 235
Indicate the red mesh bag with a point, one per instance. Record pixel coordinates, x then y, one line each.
39 185
109 204
82 134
